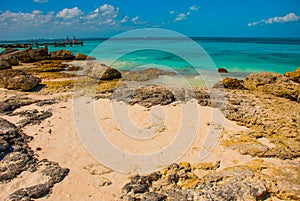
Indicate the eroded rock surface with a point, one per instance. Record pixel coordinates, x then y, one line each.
18 80
17 157
255 180
275 84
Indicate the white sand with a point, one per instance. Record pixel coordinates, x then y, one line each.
60 142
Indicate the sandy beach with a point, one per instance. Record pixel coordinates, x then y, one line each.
240 145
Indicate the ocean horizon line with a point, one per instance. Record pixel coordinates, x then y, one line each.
205 38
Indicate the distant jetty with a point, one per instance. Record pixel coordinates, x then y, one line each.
42 44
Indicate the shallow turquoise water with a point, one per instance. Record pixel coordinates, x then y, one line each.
239 56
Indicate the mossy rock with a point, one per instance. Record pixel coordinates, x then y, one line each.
58 86
48 66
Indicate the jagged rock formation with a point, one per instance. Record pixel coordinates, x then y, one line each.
17 157
255 180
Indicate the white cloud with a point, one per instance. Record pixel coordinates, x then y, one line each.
125 19
291 17
19 21
107 9
134 19
194 8
40 1
180 16
37 12
105 18
69 13
183 15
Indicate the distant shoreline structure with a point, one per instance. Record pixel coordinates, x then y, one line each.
262 40
41 44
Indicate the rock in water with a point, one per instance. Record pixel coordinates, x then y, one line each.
8 50
4 65
273 83
222 70
100 71
80 56
62 55
18 80
295 75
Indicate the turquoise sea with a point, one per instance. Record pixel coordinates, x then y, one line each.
240 56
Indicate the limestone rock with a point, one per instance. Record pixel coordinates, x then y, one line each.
275 84
100 71
80 56
254 180
152 95
295 75
18 80
62 55
27 55
230 83
145 74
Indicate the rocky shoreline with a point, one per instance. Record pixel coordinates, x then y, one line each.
267 104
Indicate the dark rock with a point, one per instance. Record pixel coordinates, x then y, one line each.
144 75
4 65
294 76
141 188
3 146
46 102
80 56
9 105
32 117
21 158
222 70
230 83
100 71
18 80
62 55
38 54
149 96
27 55
152 196
36 191
8 50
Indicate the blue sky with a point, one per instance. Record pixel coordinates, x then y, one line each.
26 19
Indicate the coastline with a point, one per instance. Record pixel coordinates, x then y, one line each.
257 148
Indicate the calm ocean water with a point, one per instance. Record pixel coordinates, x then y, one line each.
240 56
